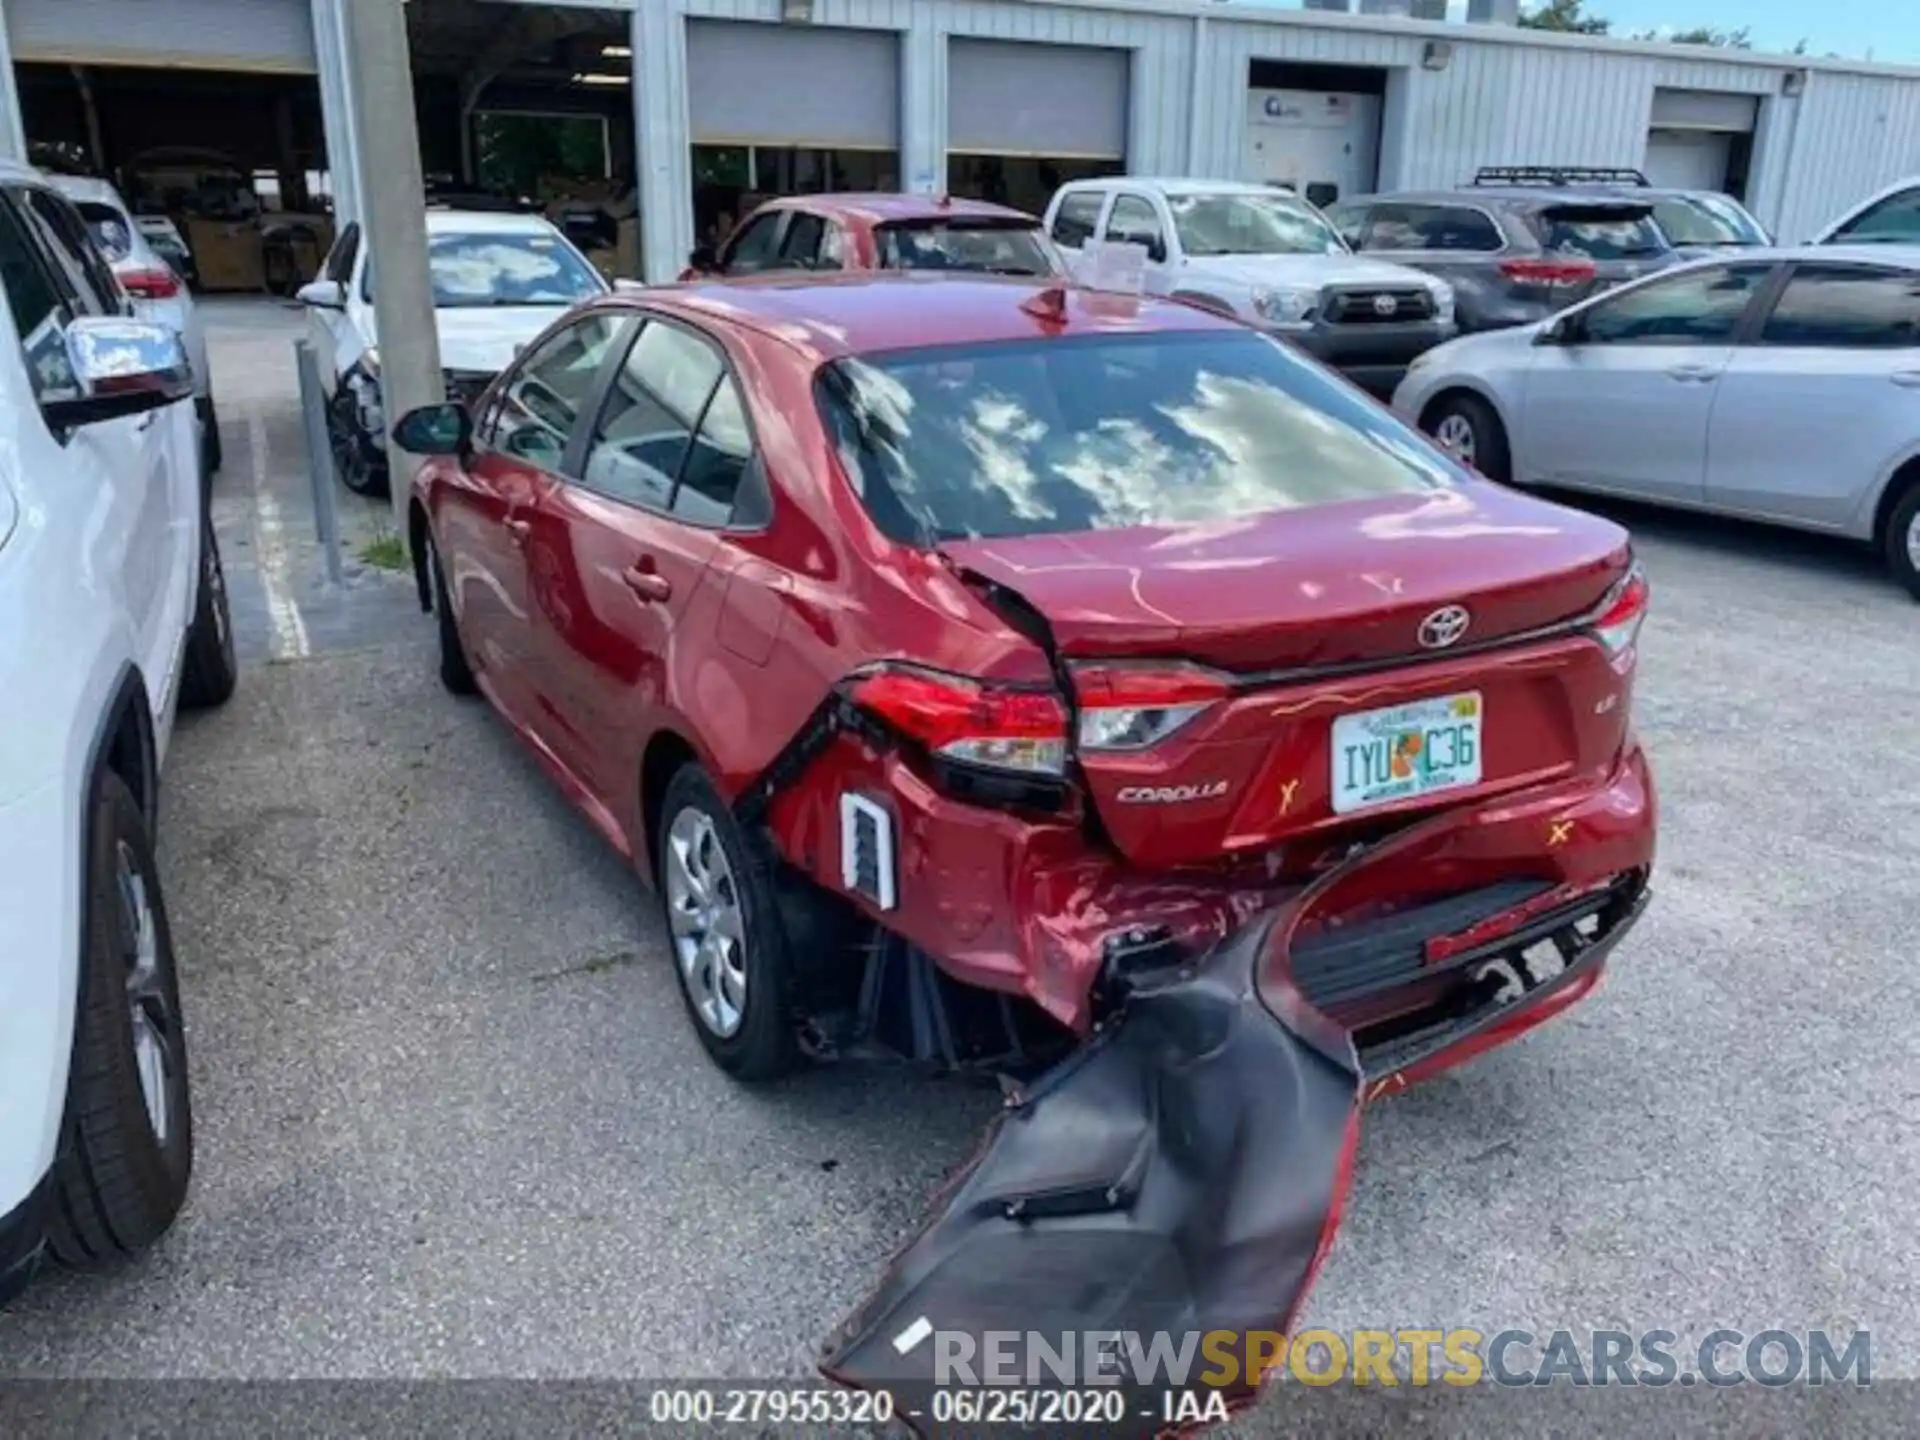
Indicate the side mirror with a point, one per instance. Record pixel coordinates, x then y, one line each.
109 366
1556 332
322 295
1157 251
703 258
445 429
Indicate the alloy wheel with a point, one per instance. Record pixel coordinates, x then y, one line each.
1454 434
155 1029
1913 541
705 915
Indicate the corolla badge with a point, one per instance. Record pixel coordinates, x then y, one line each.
1444 627
1171 794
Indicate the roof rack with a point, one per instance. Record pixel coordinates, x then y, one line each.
1558 175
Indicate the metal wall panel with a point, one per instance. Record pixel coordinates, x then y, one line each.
1018 97
1855 134
265 35
1703 110
792 85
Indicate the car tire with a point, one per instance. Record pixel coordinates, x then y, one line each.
1474 420
734 974
209 670
455 673
125 1160
1902 540
360 472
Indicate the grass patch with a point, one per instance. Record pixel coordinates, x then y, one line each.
384 552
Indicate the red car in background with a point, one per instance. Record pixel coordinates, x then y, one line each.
1009 671
880 231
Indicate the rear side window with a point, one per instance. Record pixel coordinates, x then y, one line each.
1895 219
1846 307
1104 432
1077 216
995 248
1432 227
1598 234
109 228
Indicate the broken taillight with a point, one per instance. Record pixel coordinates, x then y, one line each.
1022 731
1130 707
1616 624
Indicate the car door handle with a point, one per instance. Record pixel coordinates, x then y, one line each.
647 583
518 530
1909 378
1701 373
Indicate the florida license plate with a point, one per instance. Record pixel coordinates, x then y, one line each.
1406 751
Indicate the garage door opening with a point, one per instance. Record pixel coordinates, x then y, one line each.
1701 140
788 110
1314 129
1024 118
530 107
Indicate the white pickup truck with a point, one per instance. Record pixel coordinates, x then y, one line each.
1267 257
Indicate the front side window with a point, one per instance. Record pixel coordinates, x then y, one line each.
1102 432
1701 307
1893 221
346 249
652 413
1351 222
541 401
1075 219
39 315
993 247
754 247
66 244
1599 233
1230 224
801 247
1132 221
481 271
1847 307
1706 220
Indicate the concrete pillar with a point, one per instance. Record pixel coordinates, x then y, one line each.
663 139
923 104
13 130
345 163
394 220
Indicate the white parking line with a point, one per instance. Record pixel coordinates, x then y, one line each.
270 545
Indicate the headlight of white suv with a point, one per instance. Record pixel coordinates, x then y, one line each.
1443 303
1286 308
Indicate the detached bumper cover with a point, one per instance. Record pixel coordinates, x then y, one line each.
1182 1174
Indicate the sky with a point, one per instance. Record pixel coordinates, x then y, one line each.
1889 28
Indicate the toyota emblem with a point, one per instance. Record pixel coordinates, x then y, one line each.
1385 304
1444 627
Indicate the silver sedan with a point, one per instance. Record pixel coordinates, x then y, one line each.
1776 385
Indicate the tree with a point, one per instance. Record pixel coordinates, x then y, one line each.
1740 39
1566 16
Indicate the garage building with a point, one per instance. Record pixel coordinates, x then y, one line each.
699 107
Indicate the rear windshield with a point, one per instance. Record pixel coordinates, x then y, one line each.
1706 220
1599 234
1037 437
1002 248
109 229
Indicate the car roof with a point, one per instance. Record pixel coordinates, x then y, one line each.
87 187
879 207
1178 185
488 222
826 317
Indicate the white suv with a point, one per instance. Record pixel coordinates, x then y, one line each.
1269 258
113 610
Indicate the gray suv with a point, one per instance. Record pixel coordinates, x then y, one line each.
1519 243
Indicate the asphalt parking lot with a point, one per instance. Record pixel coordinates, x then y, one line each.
452 1121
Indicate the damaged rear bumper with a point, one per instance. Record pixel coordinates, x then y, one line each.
1171 1188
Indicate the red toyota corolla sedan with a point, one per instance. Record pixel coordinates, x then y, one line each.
977 663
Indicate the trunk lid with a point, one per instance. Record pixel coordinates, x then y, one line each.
1317 696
